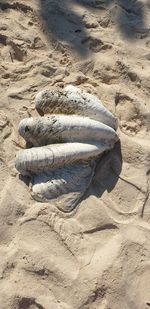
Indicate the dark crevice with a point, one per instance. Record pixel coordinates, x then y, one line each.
101 228
27 302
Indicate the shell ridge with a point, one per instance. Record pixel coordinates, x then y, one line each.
65 144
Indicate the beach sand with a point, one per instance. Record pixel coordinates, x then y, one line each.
98 256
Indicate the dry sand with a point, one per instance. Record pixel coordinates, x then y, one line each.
99 256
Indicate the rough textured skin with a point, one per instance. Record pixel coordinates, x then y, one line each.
61 162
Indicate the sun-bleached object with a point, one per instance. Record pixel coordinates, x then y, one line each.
41 159
59 185
65 145
51 129
72 100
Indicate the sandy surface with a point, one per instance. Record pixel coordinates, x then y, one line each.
99 256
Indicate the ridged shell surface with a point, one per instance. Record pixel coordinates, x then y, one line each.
65 145
74 101
59 185
42 159
61 128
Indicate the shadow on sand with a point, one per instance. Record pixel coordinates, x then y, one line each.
107 172
66 25
62 23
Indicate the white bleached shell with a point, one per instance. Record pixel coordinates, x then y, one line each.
61 128
41 159
72 100
59 185
66 144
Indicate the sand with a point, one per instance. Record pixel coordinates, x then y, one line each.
97 257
